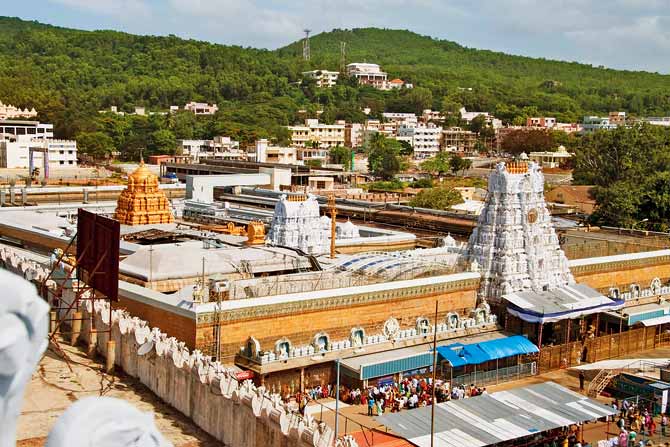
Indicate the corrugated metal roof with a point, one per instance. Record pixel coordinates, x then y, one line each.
458 354
493 418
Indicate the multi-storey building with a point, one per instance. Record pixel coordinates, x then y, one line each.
429 115
456 139
545 122
264 153
368 74
313 133
425 139
219 147
618 118
490 119
400 118
19 138
593 123
8 111
201 108
324 78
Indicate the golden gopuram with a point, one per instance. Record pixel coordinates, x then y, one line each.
142 202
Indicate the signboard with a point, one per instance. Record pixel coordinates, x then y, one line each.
98 252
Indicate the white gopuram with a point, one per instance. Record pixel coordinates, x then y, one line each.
296 223
514 244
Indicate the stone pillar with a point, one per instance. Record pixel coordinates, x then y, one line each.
111 355
92 343
24 196
76 328
12 195
85 195
3 197
302 380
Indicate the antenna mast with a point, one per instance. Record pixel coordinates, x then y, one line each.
305 45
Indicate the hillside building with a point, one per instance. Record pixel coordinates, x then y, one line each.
323 78
8 111
544 122
265 153
425 139
313 133
368 74
594 123
220 147
201 108
456 139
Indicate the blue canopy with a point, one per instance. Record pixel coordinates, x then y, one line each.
458 354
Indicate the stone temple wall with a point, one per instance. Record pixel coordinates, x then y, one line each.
237 414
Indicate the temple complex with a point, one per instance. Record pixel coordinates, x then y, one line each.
142 202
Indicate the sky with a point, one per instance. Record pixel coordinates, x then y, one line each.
626 34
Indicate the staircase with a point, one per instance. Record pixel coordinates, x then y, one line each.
600 381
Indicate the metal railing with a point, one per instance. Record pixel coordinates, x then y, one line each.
493 377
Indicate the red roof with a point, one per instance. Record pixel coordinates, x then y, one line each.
397 81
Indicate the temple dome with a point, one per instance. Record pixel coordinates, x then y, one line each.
142 202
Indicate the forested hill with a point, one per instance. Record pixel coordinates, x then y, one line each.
566 89
68 75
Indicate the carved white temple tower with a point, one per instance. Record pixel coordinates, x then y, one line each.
514 245
296 223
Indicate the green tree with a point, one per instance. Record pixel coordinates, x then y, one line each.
341 156
98 145
459 164
436 198
528 140
439 165
163 141
384 156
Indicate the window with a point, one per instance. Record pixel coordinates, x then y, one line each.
71 162
62 162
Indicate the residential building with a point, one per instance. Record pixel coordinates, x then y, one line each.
264 153
324 78
490 119
593 123
425 139
429 115
314 133
396 84
220 147
201 108
400 118
578 196
618 118
8 111
544 122
368 74
657 120
306 154
456 139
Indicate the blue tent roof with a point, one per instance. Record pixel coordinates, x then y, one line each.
459 355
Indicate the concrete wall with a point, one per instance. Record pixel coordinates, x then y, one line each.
201 187
237 414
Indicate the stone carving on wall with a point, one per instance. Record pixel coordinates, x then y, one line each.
656 285
422 325
514 245
321 342
357 337
283 347
391 328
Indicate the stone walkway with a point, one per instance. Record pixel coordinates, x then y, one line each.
53 388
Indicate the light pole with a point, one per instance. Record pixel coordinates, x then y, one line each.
337 399
639 222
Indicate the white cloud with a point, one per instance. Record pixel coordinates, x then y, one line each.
117 8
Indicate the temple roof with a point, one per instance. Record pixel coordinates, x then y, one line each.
141 173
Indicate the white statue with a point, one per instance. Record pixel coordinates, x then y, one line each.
105 422
24 326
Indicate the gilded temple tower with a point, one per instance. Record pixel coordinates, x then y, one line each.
142 202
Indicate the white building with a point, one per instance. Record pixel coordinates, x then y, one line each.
324 78
593 123
8 111
220 147
425 139
400 118
297 223
19 138
368 74
322 135
265 153
201 108
490 119
544 122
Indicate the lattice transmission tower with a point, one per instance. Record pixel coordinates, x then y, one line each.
305 45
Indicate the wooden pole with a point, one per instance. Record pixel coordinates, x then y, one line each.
432 403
